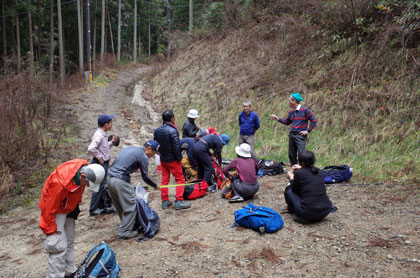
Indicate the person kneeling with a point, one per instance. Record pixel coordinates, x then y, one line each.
245 184
306 196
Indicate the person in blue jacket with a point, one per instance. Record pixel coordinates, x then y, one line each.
249 123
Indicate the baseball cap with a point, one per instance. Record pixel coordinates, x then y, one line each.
152 143
104 118
95 174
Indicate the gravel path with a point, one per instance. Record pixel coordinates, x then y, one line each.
373 234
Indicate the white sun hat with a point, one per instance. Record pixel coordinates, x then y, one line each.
193 114
95 173
243 150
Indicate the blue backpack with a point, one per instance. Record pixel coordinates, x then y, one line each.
103 265
147 221
261 219
336 174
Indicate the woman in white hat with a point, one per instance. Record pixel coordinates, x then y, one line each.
189 128
245 185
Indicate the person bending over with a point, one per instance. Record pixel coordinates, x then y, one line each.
245 185
306 196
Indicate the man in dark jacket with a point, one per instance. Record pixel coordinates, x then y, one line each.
190 129
201 152
170 159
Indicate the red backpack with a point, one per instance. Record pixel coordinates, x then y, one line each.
196 190
217 176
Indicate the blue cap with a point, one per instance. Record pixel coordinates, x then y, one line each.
104 118
297 96
224 138
152 143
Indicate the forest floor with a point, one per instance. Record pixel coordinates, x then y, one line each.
374 233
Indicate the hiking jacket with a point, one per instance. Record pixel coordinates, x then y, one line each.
248 124
189 129
170 146
60 194
311 188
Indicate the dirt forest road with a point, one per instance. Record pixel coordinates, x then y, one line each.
374 233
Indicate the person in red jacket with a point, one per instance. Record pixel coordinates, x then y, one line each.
59 204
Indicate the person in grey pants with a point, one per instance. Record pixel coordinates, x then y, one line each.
121 191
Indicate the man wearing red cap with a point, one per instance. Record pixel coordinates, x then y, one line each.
298 117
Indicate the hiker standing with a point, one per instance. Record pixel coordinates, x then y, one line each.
306 197
170 159
190 129
249 123
123 196
99 148
245 184
59 204
201 152
298 117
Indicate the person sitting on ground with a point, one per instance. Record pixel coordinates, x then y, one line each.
129 160
59 204
99 149
245 184
306 196
190 129
201 152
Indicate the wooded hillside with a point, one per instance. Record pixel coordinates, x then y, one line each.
355 62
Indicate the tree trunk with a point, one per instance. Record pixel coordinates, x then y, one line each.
110 29
103 32
60 43
119 32
135 32
80 30
150 53
31 40
94 40
88 41
190 23
19 58
51 68
4 29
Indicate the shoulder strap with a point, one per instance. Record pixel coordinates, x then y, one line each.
95 262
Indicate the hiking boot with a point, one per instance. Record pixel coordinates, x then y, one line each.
96 212
212 188
110 210
182 205
131 235
166 204
71 275
236 199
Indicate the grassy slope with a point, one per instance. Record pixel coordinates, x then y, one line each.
365 123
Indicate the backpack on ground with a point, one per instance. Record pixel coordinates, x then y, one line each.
147 221
195 191
336 174
190 172
217 176
99 262
261 219
270 167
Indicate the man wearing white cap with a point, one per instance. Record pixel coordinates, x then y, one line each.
190 129
245 185
59 206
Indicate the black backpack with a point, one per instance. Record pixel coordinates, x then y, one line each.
147 221
271 167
